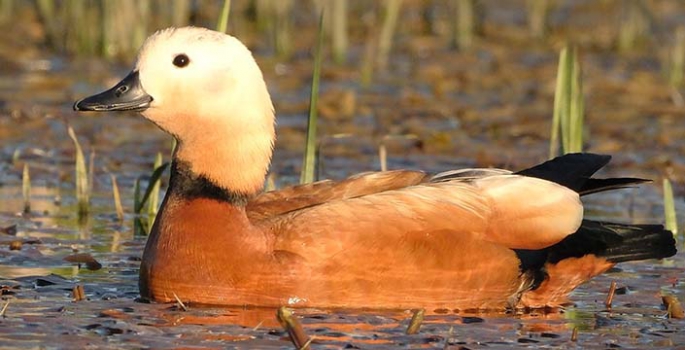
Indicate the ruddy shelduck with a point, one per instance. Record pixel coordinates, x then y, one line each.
468 239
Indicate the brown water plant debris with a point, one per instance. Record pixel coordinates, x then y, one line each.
78 293
672 304
4 308
180 303
610 295
416 320
9 230
15 245
574 334
293 327
84 258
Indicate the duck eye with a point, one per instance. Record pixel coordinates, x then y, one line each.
181 60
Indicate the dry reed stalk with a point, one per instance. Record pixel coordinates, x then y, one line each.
117 199
675 309
293 327
26 188
3 312
610 295
180 303
416 320
78 293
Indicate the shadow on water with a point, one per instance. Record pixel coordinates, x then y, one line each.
487 107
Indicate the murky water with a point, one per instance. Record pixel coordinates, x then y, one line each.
488 107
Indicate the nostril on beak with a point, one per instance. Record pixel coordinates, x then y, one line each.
121 90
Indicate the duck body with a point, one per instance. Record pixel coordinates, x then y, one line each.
469 239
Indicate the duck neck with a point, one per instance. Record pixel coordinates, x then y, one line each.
188 185
234 161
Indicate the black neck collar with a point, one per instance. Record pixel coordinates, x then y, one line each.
189 185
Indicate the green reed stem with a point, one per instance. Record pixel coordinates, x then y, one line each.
634 24
82 186
139 204
569 105
392 13
383 156
465 26
26 188
222 25
416 320
339 36
676 72
669 208
309 162
117 199
538 11
153 202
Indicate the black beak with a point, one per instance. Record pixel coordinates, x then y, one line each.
128 95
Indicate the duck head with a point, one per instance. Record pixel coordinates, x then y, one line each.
204 88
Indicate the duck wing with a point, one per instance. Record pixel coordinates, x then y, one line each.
511 210
278 202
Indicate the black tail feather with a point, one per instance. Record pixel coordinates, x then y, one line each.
575 170
615 242
601 185
570 170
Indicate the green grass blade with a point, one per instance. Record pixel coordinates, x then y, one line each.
576 109
26 188
392 12
154 178
569 105
339 30
82 187
669 208
558 111
537 13
153 202
222 25
137 201
309 162
465 24
676 67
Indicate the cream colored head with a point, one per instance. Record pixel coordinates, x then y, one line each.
208 92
